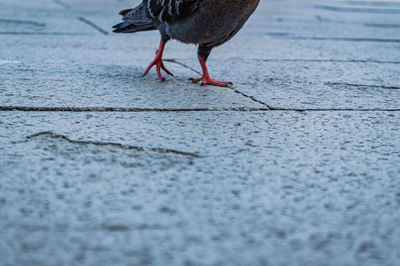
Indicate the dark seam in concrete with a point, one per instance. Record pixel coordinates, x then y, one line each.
91 24
111 228
25 22
113 144
373 3
229 154
328 61
126 147
358 10
122 109
395 26
143 110
361 85
124 228
40 33
349 39
278 33
249 97
334 109
115 228
171 60
61 3
343 39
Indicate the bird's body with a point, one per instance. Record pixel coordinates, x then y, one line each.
208 23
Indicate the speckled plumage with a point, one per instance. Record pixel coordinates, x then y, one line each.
170 10
208 23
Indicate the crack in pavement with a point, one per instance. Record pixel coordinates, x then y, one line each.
125 147
288 35
372 3
105 227
327 61
377 25
124 109
249 97
61 3
362 86
343 39
40 33
91 24
227 109
358 10
24 22
112 144
230 87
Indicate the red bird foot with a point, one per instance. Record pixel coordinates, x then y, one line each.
158 62
160 65
208 81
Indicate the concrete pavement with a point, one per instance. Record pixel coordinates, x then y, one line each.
297 164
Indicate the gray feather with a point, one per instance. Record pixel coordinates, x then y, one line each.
135 20
170 10
137 16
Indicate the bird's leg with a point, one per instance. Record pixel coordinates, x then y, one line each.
158 62
206 79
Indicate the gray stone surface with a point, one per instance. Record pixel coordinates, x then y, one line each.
297 164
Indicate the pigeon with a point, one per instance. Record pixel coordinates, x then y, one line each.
207 23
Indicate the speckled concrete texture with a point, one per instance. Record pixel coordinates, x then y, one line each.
297 164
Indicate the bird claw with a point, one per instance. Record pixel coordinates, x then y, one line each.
193 80
159 65
208 81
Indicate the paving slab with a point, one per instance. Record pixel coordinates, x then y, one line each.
108 73
82 181
311 84
91 75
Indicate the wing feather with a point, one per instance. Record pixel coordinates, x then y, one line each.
170 10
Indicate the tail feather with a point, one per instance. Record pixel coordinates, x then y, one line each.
123 12
135 19
126 27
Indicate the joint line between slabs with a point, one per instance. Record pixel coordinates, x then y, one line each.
288 35
227 109
23 22
93 25
362 85
328 61
61 3
357 10
41 33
